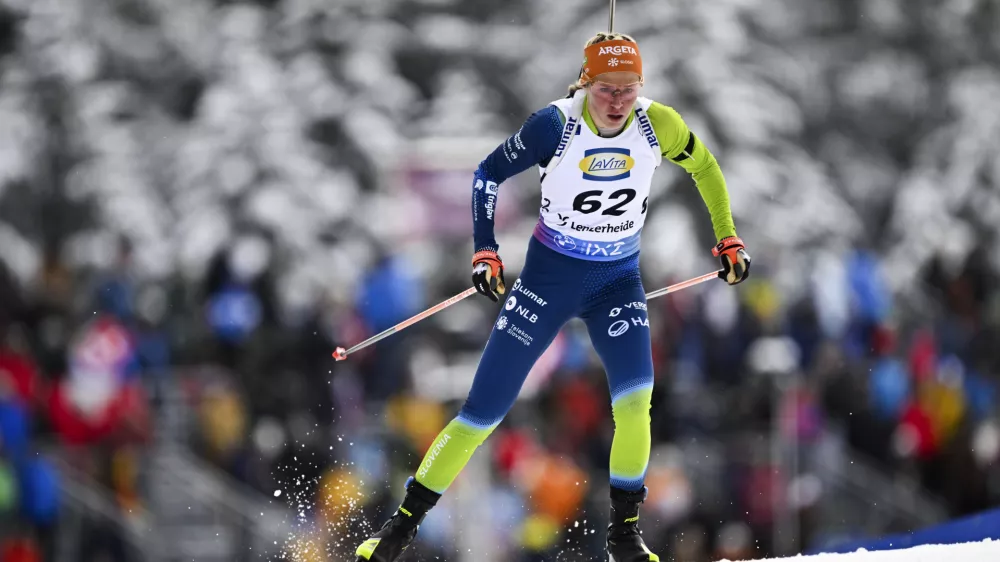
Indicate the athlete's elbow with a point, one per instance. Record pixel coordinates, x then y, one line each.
707 168
483 171
487 171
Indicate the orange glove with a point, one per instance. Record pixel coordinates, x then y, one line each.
735 259
487 274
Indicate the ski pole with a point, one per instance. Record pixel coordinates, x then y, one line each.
340 353
683 285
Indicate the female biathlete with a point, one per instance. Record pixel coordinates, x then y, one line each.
596 150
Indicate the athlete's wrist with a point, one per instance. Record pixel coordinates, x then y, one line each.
487 246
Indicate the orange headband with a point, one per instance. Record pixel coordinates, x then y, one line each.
619 55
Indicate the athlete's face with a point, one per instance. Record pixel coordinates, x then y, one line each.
611 97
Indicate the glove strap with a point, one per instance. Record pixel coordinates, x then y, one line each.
485 255
727 243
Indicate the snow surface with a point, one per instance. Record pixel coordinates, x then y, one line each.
986 551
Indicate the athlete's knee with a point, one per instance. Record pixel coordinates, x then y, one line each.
631 445
477 416
474 428
632 405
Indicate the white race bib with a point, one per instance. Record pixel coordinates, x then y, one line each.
594 201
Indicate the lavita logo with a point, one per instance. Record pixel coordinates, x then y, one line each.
606 164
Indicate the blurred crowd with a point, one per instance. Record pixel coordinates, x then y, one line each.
205 198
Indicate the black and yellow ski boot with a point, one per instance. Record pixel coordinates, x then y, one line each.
624 541
389 542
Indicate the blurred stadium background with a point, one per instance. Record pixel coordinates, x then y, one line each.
200 199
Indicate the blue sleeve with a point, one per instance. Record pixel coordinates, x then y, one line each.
534 143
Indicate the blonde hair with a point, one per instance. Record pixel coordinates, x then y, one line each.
599 38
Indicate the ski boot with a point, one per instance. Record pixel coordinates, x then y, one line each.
624 542
399 531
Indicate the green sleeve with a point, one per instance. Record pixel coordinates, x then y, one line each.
683 148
